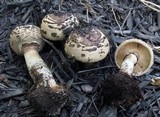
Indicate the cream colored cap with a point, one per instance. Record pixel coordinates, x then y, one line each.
92 46
28 34
53 26
143 52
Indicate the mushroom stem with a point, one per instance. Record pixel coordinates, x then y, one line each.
128 64
37 67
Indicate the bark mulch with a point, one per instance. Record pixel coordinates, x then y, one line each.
118 19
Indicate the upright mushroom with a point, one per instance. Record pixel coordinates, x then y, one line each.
87 45
134 58
47 95
56 26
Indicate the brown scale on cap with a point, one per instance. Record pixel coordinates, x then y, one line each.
23 35
54 26
58 19
87 45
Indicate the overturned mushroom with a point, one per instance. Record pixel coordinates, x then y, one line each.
134 58
46 96
87 45
56 26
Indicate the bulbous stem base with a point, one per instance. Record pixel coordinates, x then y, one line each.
49 100
120 90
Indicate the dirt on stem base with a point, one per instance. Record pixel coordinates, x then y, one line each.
49 100
120 90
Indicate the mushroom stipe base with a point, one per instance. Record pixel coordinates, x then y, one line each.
120 90
49 100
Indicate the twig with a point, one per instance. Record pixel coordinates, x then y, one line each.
116 20
151 5
88 7
11 94
126 19
62 58
94 69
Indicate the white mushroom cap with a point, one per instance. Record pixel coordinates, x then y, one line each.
87 45
142 50
53 26
25 35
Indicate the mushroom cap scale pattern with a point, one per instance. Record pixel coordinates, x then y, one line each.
25 35
90 47
53 26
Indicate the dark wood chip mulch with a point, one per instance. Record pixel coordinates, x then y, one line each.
118 19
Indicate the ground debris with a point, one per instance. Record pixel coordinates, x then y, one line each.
119 19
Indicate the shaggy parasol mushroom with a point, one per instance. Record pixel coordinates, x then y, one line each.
87 45
56 26
134 58
46 96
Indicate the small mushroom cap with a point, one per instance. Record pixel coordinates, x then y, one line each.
143 52
22 35
53 26
155 81
87 45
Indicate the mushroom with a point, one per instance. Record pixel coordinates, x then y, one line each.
56 26
46 95
134 58
87 45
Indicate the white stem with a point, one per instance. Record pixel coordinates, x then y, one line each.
38 69
128 64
